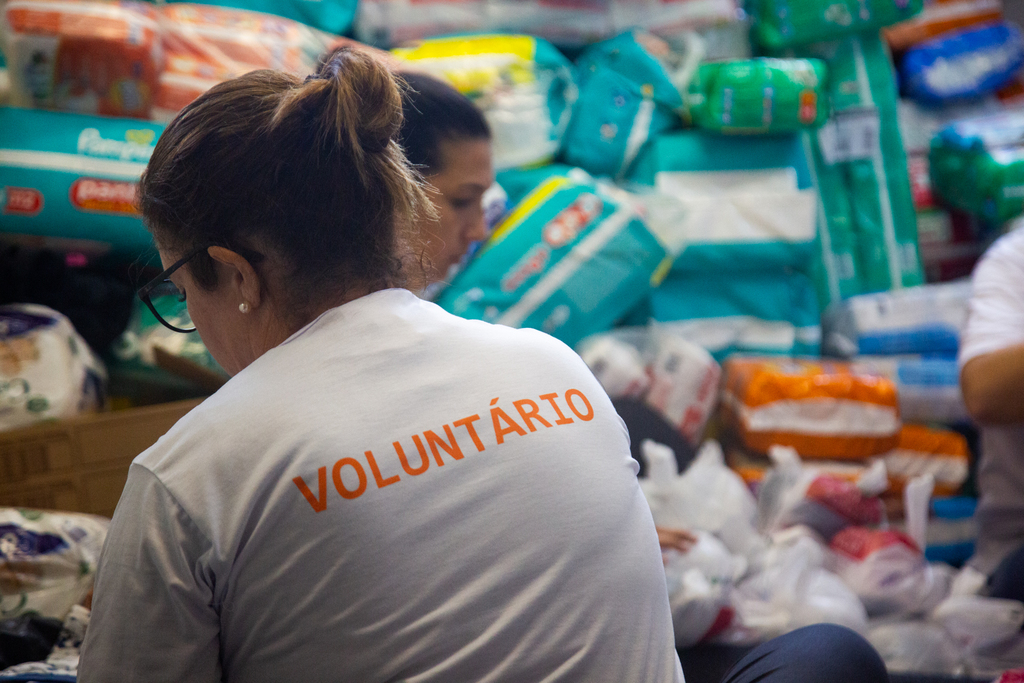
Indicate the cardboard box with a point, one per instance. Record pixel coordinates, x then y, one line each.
80 465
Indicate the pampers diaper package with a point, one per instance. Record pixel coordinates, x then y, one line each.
570 259
68 180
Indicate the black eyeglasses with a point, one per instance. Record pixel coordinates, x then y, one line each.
160 293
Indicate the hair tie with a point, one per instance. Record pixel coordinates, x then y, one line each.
312 77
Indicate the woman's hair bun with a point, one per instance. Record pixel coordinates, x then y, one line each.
360 101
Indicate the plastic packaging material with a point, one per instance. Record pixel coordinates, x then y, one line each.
570 23
924 320
68 181
978 165
822 409
861 170
725 312
938 452
389 23
952 531
684 384
47 371
736 203
918 647
708 496
759 96
786 23
61 664
627 95
888 571
977 622
206 45
968 64
47 560
331 16
789 588
618 366
699 582
86 56
717 21
942 16
571 259
928 388
27 638
794 495
524 86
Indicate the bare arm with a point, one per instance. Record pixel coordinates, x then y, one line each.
993 386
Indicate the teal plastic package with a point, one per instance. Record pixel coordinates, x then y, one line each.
571 259
745 203
762 312
787 23
864 141
67 181
627 96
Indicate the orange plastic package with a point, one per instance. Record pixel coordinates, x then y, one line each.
942 16
206 45
90 57
921 450
821 408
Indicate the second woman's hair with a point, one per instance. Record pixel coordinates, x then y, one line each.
310 170
434 112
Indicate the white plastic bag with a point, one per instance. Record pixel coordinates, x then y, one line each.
699 582
684 384
618 366
920 647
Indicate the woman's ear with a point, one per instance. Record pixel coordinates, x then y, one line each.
240 275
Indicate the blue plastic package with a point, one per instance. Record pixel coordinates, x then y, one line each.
966 64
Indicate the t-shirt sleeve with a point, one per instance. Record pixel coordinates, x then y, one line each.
153 617
996 319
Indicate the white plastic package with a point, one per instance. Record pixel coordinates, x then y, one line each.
699 584
684 384
47 560
47 370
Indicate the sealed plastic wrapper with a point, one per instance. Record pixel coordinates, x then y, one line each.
942 16
918 320
389 23
616 364
47 370
67 181
759 96
47 560
978 165
627 95
670 18
785 23
821 408
331 16
563 22
967 64
684 384
699 582
929 388
571 259
85 56
206 45
523 85
938 452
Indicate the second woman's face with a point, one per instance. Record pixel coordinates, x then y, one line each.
466 173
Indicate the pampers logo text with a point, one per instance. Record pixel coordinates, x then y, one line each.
137 146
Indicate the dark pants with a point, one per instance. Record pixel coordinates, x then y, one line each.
823 653
1007 581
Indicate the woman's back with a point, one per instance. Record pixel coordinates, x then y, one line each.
401 495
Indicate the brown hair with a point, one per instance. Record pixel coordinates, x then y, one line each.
308 169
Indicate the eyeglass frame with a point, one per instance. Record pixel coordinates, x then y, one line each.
146 290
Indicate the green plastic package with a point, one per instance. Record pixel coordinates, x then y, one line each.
786 23
977 165
863 142
759 95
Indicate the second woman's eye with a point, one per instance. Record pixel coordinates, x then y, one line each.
460 204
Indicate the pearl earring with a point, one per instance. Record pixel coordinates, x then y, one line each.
243 307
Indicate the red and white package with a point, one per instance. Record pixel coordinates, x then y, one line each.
206 45
684 384
85 56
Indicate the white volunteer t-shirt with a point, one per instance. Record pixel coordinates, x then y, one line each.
393 494
996 322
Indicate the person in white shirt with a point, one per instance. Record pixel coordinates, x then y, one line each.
382 491
991 377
